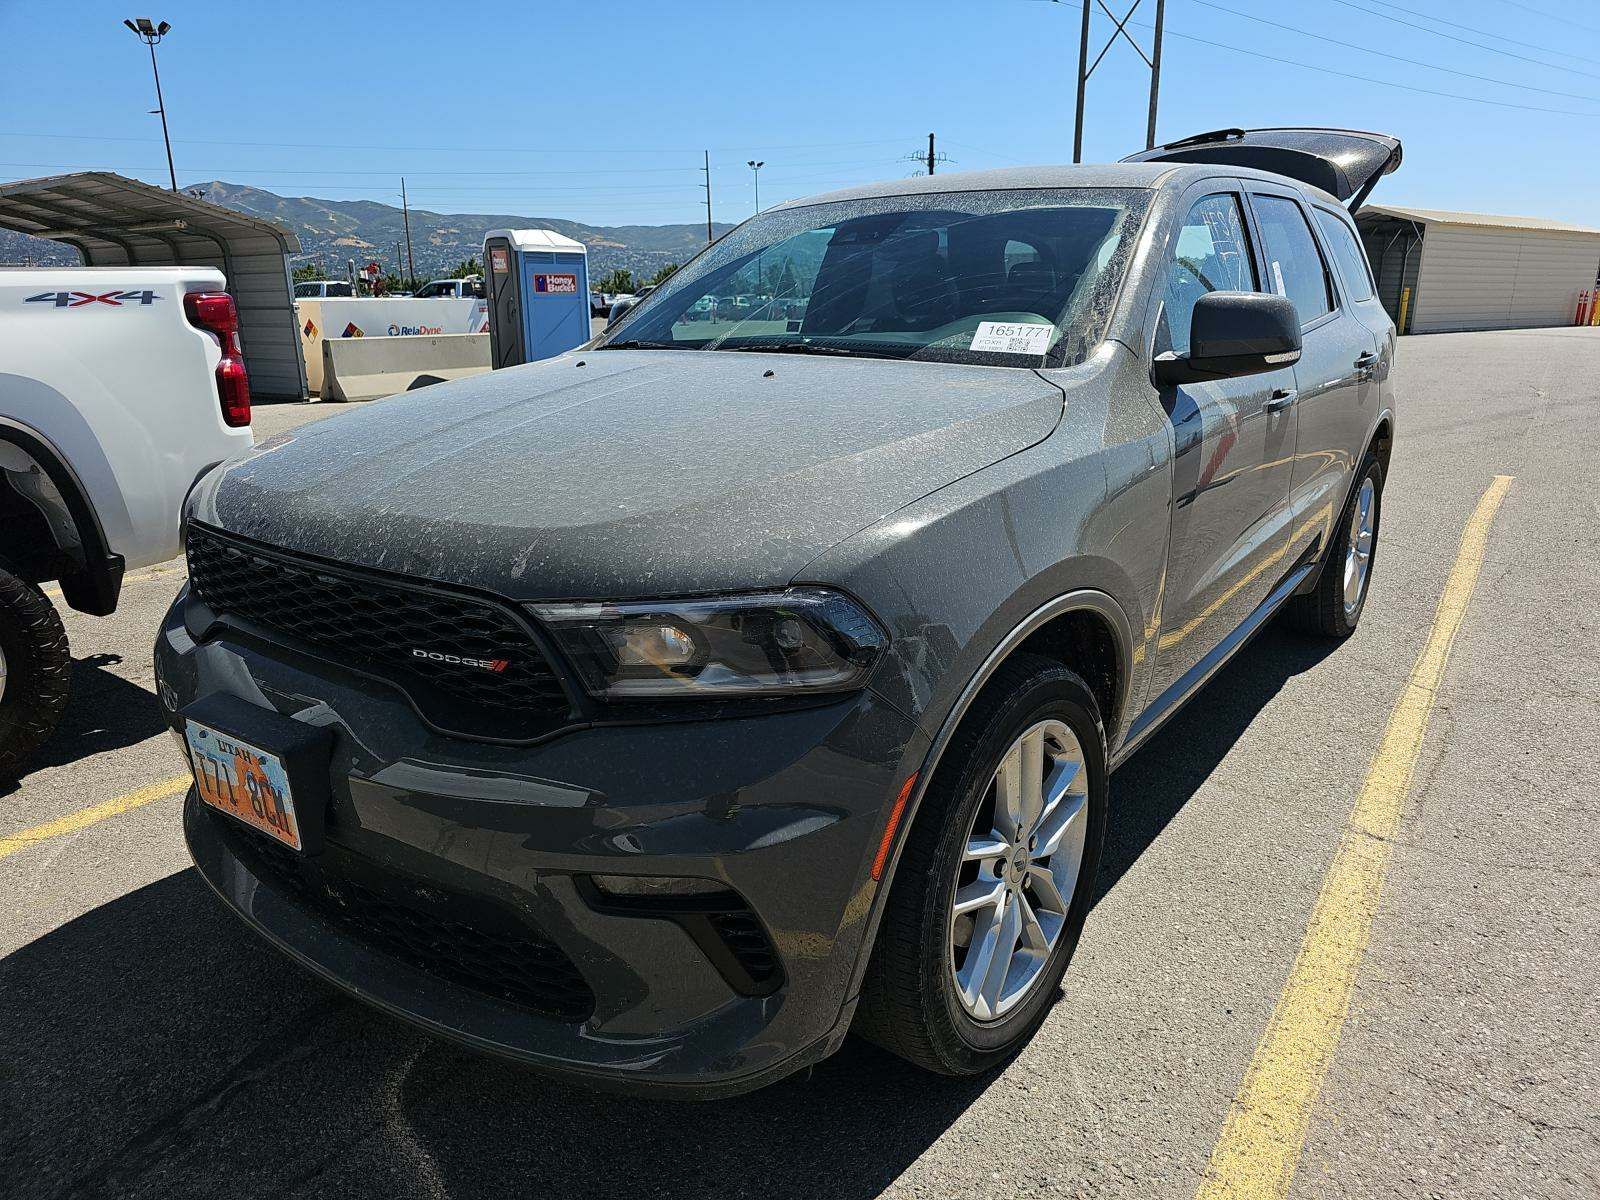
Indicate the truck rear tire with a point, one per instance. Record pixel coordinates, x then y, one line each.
35 672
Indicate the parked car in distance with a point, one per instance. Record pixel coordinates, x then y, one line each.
658 713
323 289
120 386
469 288
620 306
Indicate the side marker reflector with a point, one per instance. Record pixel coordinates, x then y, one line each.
898 811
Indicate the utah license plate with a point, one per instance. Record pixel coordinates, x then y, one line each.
243 781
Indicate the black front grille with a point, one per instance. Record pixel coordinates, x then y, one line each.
388 626
466 940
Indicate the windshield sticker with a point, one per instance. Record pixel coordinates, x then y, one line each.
1008 337
1277 278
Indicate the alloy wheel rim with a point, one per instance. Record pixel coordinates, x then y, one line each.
1358 545
1018 871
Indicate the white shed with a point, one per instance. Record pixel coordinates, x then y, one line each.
1476 270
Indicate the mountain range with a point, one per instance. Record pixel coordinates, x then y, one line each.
332 232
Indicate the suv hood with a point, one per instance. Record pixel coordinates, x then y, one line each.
621 474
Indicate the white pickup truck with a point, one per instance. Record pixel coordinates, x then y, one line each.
119 387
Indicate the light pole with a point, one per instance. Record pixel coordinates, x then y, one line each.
150 34
756 167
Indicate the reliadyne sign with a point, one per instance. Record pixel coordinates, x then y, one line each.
402 316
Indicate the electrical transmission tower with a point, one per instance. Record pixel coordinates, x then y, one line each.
1086 68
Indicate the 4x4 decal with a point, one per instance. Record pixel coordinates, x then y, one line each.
79 299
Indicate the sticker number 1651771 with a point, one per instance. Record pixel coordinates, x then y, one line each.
243 781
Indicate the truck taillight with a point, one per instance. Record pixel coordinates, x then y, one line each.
214 312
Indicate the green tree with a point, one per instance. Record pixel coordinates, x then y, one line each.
618 280
468 266
309 271
664 274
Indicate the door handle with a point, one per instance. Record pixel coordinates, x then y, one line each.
1280 399
1366 360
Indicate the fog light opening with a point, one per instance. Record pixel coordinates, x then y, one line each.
645 887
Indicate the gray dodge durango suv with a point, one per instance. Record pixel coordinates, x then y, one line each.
661 712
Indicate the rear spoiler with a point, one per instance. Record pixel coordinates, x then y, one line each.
1344 162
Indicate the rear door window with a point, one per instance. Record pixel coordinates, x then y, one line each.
1347 256
1294 264
1212 255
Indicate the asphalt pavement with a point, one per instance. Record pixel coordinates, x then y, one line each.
153 1046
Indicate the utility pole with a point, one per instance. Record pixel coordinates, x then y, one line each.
1155 75
930 160
150 33
1083 85
756 168
1086 68
709 238
405 211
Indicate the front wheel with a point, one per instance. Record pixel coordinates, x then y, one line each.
1334 607
996 876
35 672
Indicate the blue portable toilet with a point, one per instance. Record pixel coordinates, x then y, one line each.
538 293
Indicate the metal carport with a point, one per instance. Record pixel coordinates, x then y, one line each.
1463 270
114 221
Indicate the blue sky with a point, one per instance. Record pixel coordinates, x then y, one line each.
599 111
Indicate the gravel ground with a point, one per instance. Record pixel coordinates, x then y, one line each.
154 1047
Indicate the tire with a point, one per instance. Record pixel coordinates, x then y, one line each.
38 672
1325 611
911 1003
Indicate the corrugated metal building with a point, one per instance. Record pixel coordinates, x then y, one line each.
114 221
1476 270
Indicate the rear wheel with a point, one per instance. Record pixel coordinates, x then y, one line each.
35 672
1334 607
996 876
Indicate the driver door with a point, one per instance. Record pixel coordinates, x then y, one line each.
1233 449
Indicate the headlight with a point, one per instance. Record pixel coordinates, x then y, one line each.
798 641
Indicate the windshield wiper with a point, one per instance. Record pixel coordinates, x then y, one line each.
795 348
637 344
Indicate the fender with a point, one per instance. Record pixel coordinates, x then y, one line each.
1080 599
95 588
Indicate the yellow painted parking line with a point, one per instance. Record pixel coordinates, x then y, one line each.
54 590
85 817
1256 1155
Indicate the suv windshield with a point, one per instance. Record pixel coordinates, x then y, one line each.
1012 278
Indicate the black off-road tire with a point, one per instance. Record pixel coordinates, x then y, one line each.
909 1004
38 672
1320 612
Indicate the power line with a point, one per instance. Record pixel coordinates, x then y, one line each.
990 153
1539 62
1281 60
656 189
496 150
1395 57
1539 12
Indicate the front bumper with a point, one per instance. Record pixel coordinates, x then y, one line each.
786 809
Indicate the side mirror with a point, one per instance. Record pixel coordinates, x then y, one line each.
1234 333
619 309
